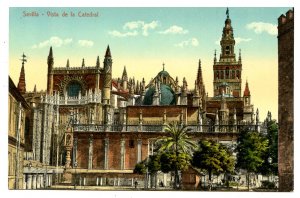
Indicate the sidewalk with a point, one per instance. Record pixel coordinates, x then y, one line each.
104 188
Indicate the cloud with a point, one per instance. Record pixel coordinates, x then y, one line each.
191 42
85 43
148 26
53 41
116 33
174 30
260 27
138 27
133 25
237 40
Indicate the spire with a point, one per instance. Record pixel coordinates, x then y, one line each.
22 83
247 91
34 89
124 75
137 89
98 62
227 42
199 75
107 53
240 56
215 57
227 13
68 63
50 60
83 64
163 66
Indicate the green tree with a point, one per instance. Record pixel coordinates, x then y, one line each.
268 168
251 149
213 157
140 168
178 145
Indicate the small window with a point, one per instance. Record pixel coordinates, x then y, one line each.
131 143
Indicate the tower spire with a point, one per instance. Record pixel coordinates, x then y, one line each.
83 64
107 65
50 58
22 83
124 75
199 74
215 56
107 53
98 62
68 63
227 13
50 62
247 91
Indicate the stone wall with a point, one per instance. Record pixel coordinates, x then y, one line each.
286 102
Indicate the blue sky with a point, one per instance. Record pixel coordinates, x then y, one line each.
144 38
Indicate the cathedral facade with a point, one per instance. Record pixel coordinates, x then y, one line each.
90 124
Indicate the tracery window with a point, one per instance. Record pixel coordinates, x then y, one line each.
73 89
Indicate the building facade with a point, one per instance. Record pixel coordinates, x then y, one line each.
16 136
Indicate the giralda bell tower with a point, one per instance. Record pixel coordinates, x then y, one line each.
228 70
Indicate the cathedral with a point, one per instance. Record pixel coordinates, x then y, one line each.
91 128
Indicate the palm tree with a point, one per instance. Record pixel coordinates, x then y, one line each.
178 141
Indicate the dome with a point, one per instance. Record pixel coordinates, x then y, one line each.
167 95
163 73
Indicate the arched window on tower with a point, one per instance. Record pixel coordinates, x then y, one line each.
227 73
233 74
73 89
222 75
218 75
227 50
238 74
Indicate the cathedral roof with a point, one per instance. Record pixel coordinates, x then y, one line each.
167 95
163 73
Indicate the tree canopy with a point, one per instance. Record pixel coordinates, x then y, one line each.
251 148
213 157
175 149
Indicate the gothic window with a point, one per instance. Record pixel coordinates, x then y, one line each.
227 72
222 75
233 74
73 89
217 74
227 50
